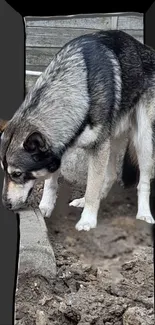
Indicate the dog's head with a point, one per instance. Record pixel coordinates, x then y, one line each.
25 157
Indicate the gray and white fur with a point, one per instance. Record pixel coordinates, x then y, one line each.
98 90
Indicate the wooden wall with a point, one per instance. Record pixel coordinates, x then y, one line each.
46 35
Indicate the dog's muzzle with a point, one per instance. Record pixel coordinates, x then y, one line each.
7 204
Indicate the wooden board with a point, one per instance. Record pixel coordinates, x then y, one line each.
130 22
98 21
38 56
52 37
29 81
57 37
95 23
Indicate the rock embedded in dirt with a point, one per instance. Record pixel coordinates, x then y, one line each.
41 318
138 316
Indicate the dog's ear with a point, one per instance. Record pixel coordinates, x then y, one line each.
35 142
3 124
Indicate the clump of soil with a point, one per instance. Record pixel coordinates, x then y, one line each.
104 276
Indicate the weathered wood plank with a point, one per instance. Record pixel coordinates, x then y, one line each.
36 67
100 21
130 22
29 81
57 37
140 39
52 37
39 56
95 23
36 255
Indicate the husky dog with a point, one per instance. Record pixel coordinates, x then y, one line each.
97 90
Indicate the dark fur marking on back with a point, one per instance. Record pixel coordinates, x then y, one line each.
35 100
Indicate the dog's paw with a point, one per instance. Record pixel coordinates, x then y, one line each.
79 203
147 218
87 222
46 209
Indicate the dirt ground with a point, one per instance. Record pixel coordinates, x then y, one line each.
104 276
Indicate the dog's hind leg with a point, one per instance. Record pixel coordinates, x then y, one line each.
110 176
142 137
49 196
97 167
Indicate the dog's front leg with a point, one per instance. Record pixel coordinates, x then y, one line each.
49 196
98 160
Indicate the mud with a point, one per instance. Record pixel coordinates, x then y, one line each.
104 276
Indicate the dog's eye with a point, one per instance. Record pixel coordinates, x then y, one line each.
16 174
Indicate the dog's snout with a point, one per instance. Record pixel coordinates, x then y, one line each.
7 204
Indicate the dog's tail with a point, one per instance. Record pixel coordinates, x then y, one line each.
130 169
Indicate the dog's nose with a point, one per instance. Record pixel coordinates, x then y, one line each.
8 205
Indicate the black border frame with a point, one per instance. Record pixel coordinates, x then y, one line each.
10 224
